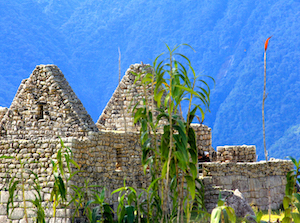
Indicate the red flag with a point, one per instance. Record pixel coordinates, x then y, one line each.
267 42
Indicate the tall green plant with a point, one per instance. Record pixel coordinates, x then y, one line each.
291 200
81 195
166 84
128 208
101 212
13 186
61 170
37 202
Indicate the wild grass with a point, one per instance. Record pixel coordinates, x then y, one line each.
276 215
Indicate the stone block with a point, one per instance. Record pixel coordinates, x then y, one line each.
263 193
2 209
4 219
31 213
30 220
61 213
243 186
30 195
16 214
49 212
4 196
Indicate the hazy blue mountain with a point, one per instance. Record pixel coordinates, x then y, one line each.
82 38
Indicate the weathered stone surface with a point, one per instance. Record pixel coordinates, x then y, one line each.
30 220
35 112
4 196
252 179
239 204
242 153
4 219
3 110
2 209
17 213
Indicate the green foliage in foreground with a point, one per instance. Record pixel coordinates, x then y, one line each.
171 158
222 213
291 200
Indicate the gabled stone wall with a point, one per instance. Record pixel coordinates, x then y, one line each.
45 106
124 98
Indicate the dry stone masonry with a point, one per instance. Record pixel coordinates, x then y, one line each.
46 107
236 153
126 95
3 110
35 155
203 137
252 179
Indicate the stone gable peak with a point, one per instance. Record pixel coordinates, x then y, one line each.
46 106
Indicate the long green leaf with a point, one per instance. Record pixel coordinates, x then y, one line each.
191 185
193 169
286 202
296 217
7 157
216 215
231 214
188 90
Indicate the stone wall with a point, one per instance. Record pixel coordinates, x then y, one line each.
236 153
36 156
98 157
203 137
124 98
97 154
252 179
45 106
3 110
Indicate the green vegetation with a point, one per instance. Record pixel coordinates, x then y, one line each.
169 85
277 215
222 213
291 201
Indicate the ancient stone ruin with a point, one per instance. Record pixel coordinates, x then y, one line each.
46 107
